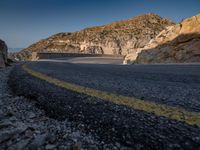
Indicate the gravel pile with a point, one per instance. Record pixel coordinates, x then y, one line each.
23 125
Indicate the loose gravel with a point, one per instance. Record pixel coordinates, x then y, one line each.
24 126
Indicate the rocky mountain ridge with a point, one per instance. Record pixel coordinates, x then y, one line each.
179 43
116 38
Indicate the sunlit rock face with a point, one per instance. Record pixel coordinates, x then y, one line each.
176 44
116 38
3 54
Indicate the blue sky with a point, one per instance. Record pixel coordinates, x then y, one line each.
23 22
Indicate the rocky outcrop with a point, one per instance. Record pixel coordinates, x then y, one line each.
3 54
176 44
115 38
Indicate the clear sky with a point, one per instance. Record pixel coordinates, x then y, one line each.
23 22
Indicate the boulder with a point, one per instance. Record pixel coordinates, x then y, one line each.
3 54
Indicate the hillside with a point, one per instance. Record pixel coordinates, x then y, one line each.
116 38
176 44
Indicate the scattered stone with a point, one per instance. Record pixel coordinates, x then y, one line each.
50 146
76 146
21 144
32 115
5 124
29 133
51 139
5 136
39 140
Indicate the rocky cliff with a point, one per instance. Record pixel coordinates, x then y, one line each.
176 44
3 54
115 38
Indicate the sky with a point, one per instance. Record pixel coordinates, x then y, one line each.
23 22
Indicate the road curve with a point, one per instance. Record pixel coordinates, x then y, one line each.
141 127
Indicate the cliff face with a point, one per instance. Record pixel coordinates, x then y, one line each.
115 38
3 54
176 44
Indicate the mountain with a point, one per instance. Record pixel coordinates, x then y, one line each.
116 38
179 43
3 54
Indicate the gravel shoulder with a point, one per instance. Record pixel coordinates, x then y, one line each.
108 122
23 125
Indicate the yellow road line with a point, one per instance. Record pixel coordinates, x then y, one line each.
176 113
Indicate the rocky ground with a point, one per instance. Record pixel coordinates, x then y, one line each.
25 126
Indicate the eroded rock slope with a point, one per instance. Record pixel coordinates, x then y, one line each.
115 38
176 44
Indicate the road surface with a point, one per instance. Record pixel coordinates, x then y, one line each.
138 106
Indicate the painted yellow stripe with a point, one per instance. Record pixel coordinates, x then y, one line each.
176 113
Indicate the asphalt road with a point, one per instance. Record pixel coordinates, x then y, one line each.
170 85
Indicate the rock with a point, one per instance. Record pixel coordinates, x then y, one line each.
176 44
130 57
76 146
29 133
50 146
190 25
2 62
51 138
9 135
21 126
9 114
115 38
5 124
32 115
5 137
3 54
22 144
39 140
